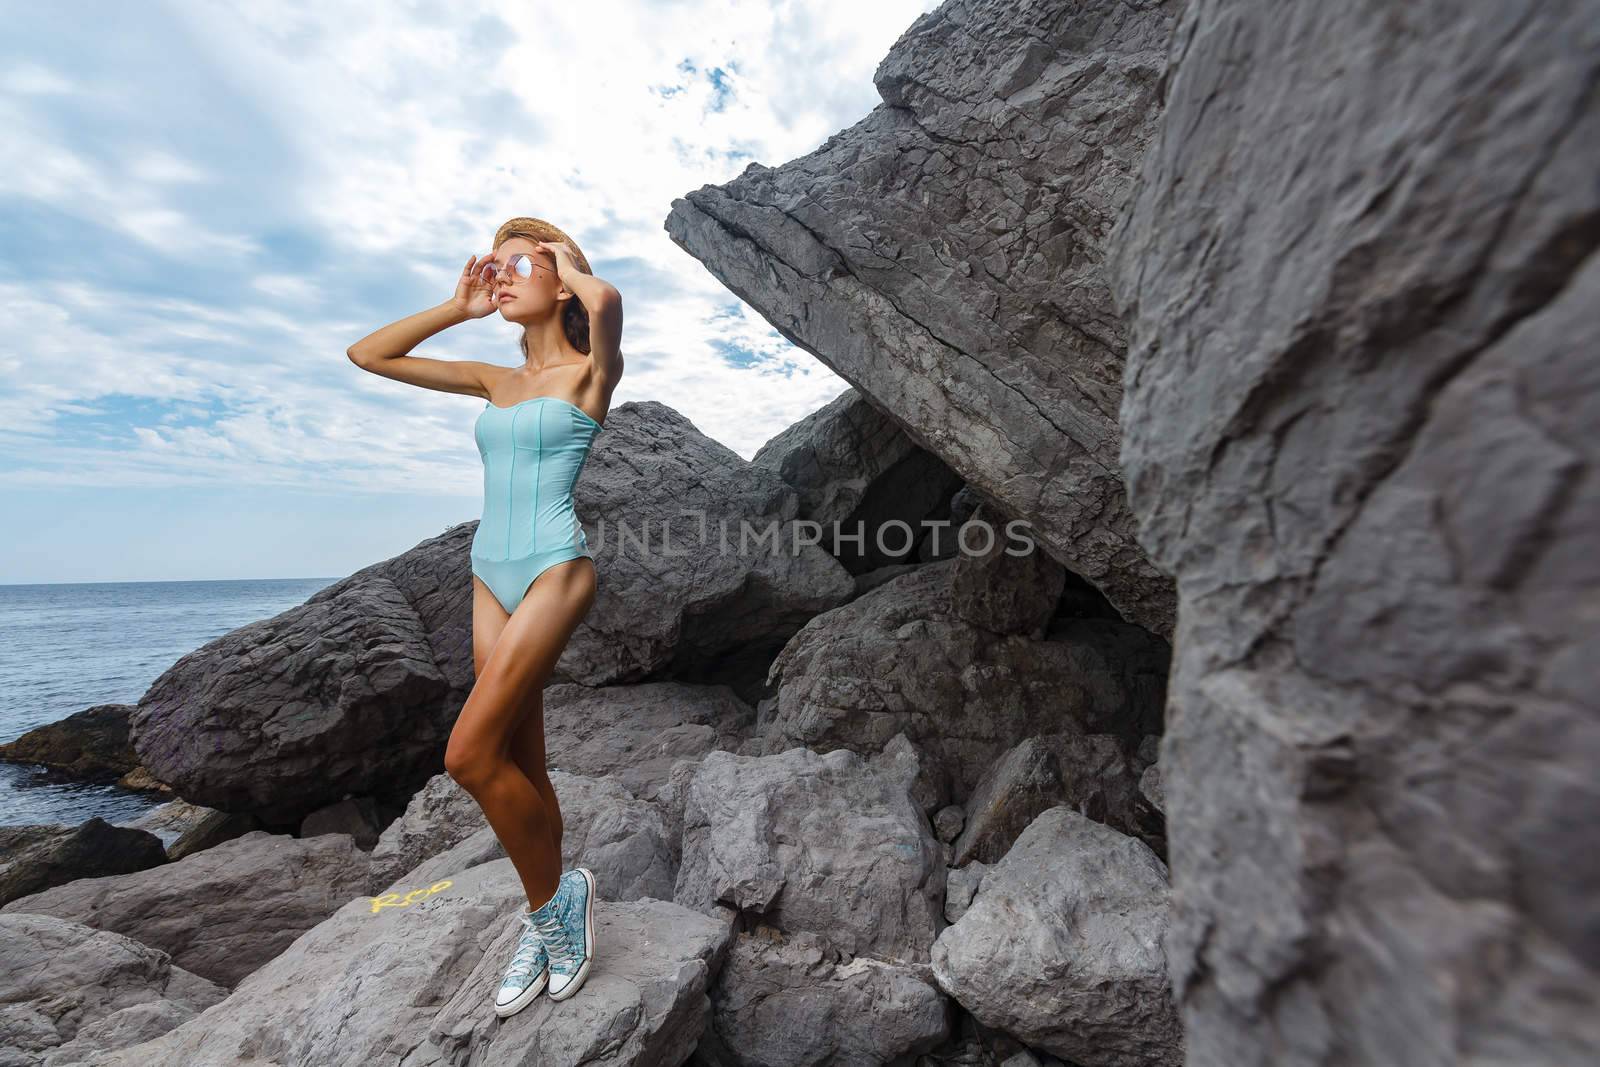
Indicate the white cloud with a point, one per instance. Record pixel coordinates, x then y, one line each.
400 137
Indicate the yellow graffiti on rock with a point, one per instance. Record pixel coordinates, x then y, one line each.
395 900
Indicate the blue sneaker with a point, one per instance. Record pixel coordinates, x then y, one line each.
566 924
528 973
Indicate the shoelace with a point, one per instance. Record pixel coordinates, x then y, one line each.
555 940
527 951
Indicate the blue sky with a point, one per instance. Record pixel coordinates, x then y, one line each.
203 205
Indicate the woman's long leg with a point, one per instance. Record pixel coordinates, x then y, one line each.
478 754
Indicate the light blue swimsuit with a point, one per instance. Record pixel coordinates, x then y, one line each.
532 455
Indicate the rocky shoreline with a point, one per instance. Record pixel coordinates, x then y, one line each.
1270 324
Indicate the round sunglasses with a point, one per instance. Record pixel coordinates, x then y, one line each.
521 265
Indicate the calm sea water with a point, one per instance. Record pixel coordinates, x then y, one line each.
71 646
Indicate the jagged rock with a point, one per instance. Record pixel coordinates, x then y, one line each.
1000 591
948 821
223 912
357 816
36 858
352 692
1062 946
413 983
186 828
620 838
945 256
439 817
960 886
1150 787
896 660
1360 274
91 746
680 591
1088 773
790 1002
68 991
856 472
633 734
825 844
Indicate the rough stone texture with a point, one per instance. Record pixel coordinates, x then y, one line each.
357 816
1062 946
620 838
68 991
697 602
223 912
633 734
352 692
855 467
1359 428
1150 787
186 828
897 660
825 844
960 886
945 256
414 983
997 584
1086 772
36 858
791 1002
91 745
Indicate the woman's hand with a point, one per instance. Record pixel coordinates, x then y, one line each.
474 296
566 262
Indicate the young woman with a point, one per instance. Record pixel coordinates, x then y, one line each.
533 577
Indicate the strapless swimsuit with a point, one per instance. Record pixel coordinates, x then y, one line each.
532 455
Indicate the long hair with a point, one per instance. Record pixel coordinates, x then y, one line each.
574 319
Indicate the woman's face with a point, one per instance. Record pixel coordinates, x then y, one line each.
518 298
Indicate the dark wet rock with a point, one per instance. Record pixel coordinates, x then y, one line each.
35 859
90 746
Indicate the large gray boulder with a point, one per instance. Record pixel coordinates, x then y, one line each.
1359 423
790 1001
352 692
826 844
945 256
633 734
1062 946
899 660
223 912
413 982
69 991
619 837
699 574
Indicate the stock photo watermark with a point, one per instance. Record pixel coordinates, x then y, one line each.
896 537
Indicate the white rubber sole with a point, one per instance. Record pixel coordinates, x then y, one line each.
525 997
588 940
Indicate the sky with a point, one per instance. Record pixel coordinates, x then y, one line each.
202 205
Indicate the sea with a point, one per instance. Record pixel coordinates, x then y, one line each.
69 646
